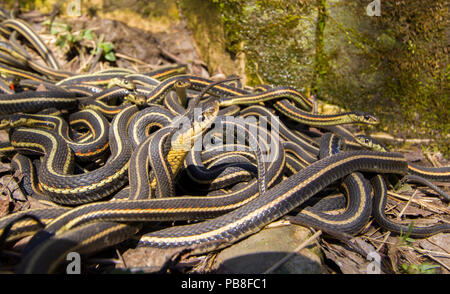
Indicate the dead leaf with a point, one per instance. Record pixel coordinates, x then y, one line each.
348 261
9 183
4 167
149 259
4 136
4 206
415 155
41 87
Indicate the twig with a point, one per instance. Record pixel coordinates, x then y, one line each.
425 251
407 204
104 261
261 81
121 55
303 245
121 258
377 241
391 138
437 245
166 53
56 10
438 261
383 241
429 206
5 187
433 161
315 109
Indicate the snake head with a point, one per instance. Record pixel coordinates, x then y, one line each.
370 143
193 124
122 83
137 99
140 100
5 123
18 120
182 83
364 117
207 112
12 121
203 116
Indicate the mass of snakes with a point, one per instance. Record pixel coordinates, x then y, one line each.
168 159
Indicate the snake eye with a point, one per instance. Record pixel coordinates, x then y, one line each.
201 117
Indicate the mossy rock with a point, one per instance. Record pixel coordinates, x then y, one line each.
394 65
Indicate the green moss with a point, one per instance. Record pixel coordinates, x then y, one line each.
44 6
267 29
321 64
395 65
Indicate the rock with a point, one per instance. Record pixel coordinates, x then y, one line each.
260 251
337 51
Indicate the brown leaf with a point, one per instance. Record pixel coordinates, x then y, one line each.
41 87
4 206
12 187
415 155
348 261
149 259
4 136
4 167
439 247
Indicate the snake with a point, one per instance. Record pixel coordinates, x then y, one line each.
150 125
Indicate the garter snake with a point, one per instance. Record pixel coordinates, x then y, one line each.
285 106
355 215
218 175
83 239
270 94
29 182
9 70
276 202
146 120
379 205
293 165
26 227
11 61
95 122
425 182
54 175
50 72
441 174
139 144
308 151
167 72
28 33
34 101
357 190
